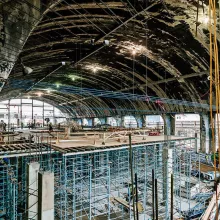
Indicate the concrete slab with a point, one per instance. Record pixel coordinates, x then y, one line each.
89 141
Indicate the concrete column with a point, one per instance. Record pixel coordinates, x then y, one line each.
32 188
144 121
103 120
120 121
80 121
84 121
108 120
205 133
46 196
169 124
139 121
167 170
93 122
89 121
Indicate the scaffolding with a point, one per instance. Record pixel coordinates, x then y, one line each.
94 184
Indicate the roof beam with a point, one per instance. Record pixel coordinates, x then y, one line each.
167 80
96 42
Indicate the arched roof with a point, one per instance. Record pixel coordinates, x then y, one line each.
151 49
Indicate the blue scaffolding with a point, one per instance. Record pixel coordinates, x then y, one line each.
88 183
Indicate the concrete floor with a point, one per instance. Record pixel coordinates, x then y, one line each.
96 141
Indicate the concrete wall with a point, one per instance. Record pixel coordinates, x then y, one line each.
46 196
32 187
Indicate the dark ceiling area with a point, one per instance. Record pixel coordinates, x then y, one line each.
120 56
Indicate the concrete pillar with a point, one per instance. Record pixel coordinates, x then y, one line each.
84 122
169 124
144 121
167 171
120 121
32 188
46 196
80 121
103 120
93 122
89 121
108 120
77 120
205 133
139 121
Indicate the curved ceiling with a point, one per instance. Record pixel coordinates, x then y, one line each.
149 53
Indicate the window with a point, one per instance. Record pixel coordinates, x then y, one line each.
21 111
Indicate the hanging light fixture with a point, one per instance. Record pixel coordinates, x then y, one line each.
94 69
26 70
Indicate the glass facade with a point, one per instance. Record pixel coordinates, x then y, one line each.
23 112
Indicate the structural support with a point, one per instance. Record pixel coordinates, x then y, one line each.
216 133
205 133
84 122
169 124
103 120
93 122
108 120
46 196
132 174
144 121
153 194
167 171
90 121
80 121
120 121
140 121
32 189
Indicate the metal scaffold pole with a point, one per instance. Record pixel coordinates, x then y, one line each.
91 184
132 174
90 189
109 186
